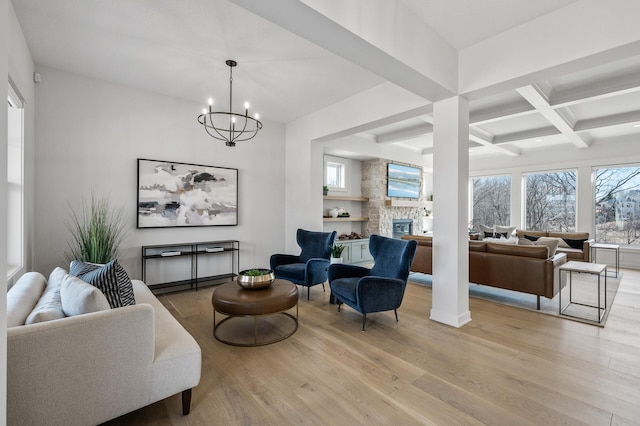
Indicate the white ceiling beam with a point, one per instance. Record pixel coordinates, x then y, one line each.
524 135
608 121
536 97
389 54
405 134
501 112
591 92
487 139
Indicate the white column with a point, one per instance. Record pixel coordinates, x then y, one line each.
450 301
585 203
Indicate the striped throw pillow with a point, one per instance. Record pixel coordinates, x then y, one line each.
111 279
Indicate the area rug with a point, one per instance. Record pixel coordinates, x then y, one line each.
584 291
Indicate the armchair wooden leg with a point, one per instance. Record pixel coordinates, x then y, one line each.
186 402
364 320
396 312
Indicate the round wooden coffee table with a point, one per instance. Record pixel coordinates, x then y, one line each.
233 301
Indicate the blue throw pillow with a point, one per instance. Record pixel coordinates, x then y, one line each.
111 279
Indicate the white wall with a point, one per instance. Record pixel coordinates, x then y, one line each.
89 135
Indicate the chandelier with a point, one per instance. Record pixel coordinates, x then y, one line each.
230 127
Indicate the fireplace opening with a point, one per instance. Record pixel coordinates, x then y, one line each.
401 227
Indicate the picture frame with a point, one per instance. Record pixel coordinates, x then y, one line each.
172 194
403 181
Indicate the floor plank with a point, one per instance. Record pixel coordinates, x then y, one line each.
507 366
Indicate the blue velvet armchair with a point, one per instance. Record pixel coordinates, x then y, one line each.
310 267
380 288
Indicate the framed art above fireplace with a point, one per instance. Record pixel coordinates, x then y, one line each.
403 181
174 194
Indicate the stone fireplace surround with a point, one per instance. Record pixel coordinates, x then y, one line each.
374 187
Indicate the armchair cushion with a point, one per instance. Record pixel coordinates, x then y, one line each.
293 272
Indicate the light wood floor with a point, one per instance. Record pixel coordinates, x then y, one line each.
507 367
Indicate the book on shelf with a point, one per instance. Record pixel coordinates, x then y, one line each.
170 253
213 249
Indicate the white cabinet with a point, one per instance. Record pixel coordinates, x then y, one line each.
356 251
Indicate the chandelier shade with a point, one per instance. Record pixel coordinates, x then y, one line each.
230 127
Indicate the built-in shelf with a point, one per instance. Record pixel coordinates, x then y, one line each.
345 219
407 203
344 198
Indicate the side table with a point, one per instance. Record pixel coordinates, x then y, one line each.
584 268
601 246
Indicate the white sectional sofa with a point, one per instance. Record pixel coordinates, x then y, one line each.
94 367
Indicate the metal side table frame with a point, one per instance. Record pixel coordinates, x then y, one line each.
585 268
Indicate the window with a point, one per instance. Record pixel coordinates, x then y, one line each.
335 175
490 201
14 183
617 205
550 201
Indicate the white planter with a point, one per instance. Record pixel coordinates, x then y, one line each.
336 260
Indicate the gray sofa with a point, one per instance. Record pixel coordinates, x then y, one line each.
91 368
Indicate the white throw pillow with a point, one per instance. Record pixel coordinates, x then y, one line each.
550 242
23 296
79 297
509 230
49 307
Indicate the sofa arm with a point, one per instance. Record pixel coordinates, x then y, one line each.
586 249
375 294
316 270
80 370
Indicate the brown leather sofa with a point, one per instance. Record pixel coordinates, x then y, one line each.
582 254
527 269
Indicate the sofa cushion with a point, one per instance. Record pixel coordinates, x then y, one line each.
525 242
111 279
79 297
515 250
49 307
477 245
23 296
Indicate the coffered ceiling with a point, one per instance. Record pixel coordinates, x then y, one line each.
287 71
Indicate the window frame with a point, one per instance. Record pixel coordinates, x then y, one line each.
15 218
341 165
575 171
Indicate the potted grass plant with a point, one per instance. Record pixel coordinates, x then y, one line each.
96 231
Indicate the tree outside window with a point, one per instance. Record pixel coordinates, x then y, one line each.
550 201
491 201
617 205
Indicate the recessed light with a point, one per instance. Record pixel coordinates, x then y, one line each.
636 125
538 140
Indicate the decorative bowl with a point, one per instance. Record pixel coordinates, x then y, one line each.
256 279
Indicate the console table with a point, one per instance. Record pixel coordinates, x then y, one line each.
191 252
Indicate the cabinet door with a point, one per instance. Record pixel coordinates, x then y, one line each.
360 252
346 253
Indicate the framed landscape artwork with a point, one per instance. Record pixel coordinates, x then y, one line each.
403 181
179 194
